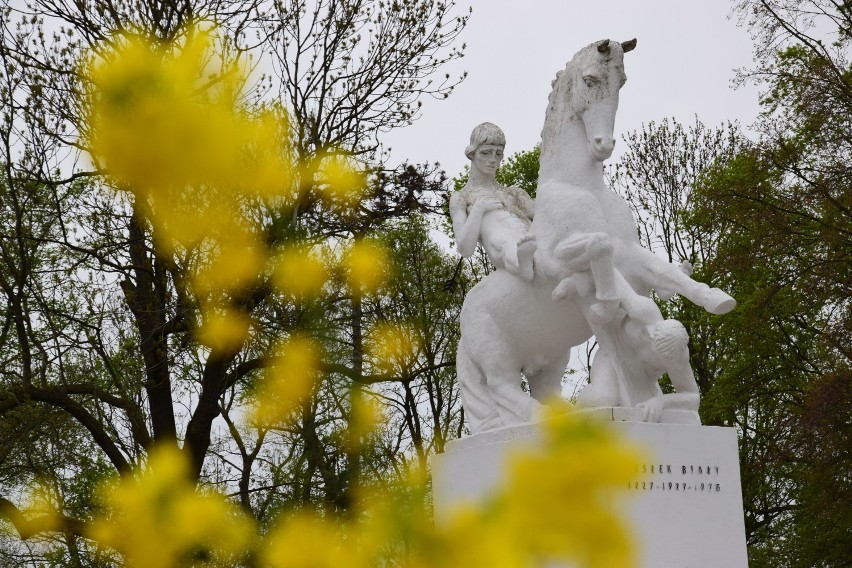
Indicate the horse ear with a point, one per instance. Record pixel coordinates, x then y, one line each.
628 45
603 46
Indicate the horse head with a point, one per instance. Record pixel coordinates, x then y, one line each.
587 89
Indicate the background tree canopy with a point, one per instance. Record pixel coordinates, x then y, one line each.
770 221
787 205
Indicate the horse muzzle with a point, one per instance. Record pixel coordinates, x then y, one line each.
602 147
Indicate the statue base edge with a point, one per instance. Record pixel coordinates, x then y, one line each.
605 413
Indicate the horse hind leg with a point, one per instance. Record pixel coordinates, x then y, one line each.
503 380
546 383
479 407
515 406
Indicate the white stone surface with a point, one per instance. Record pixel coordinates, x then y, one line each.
685 504
589 272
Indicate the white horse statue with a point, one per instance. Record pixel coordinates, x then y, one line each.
591 276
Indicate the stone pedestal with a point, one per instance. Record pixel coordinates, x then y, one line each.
685 505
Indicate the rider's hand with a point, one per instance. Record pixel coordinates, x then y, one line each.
485 205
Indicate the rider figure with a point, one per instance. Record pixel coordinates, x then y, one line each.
484 211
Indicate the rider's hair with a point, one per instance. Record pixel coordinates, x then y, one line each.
485 133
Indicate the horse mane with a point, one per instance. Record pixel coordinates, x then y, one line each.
560 94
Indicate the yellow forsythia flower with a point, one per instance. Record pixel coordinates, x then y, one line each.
475 538
223 329
366 264
168 126
391 347
557 505
157 120
307 540
571 482
289 382
341 186
298 272
183 221
156 518
365 418
269 171
234 267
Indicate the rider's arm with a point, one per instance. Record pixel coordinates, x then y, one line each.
465 227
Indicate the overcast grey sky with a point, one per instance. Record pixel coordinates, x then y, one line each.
682 66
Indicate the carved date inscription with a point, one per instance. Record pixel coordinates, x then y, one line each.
677 478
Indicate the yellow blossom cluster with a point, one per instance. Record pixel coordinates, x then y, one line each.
570 482
341 186
309 540
299 272
157 519
365 418
167 123
392 348
289 382
366 264
557 504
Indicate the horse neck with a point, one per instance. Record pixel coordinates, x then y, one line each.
566 157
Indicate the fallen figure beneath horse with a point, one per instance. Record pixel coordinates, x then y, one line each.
591 276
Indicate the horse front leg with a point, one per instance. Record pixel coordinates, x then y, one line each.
663 275
594 252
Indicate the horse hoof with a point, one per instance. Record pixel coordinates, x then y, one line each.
719 302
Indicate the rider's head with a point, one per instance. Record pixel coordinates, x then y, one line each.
485 133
